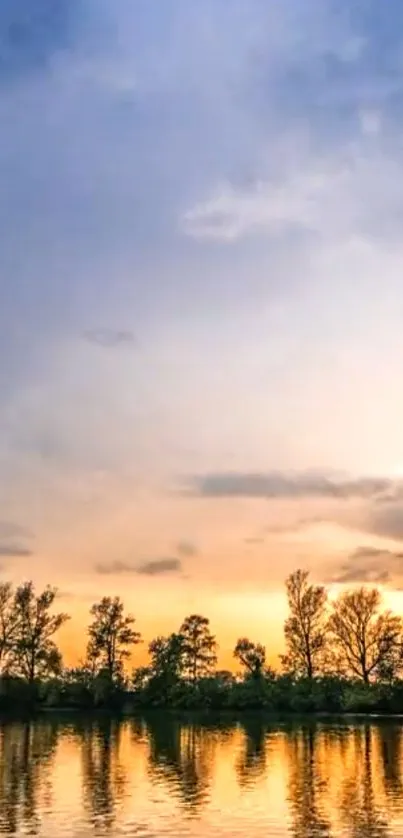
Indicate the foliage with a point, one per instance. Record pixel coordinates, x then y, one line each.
199 647
181 674
304 629
8 624
368 644
34 653
252 656
111 635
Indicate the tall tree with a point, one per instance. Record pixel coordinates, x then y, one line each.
34 651
166 654
304 629
252 656
8 624
111 636
367 642
199 647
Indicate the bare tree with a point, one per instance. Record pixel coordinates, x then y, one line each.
34 652
199 647
304 629
111 635
366 641
252 656
8 624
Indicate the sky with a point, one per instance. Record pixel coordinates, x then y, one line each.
201 305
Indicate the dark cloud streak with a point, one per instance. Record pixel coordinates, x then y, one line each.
159 567
110 338
371 565
153 567
11 551
277 484
187 549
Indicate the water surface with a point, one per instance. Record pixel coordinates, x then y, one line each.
163 778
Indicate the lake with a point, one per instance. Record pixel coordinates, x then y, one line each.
62 777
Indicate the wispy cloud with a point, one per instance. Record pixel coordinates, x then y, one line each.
11 551
331 198
159 567
114 568
385 520
187 549
110 338
369 564
153 567
277 484
14 540
10 529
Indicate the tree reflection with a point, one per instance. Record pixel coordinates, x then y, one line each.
390 740
251 763
307 788
27 752
103 774
182 756
360 811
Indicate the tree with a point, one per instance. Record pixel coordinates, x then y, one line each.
111 635
199 647
8 623
34 653
251 655
166 655
367 643
304 629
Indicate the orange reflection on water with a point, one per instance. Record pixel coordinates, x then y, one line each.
162 777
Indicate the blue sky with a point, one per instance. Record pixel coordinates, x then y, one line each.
200 274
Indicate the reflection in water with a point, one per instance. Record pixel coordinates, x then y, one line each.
183 757
103 774
307 784
390 738
25 787
361 800
251 762
163 778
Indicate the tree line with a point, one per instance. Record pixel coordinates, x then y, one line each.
345 654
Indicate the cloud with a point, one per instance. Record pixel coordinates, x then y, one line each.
158 567
12 538
11 551
368 564
31 33
10 529
187 549
385 520
154 567
114 568
330 197
277 484
110 338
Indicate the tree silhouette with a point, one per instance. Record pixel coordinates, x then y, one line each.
304 629
111 636
252 656
34 652
366 642
199 647
8 624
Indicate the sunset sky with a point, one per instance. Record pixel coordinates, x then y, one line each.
201 304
